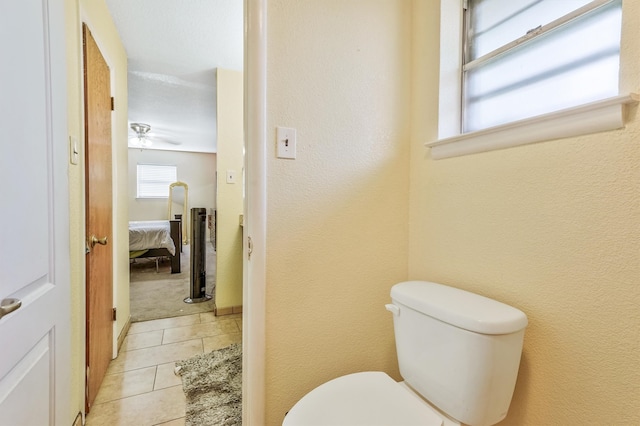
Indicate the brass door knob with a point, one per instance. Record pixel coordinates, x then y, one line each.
9 305
93 240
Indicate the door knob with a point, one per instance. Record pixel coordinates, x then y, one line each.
9 305
93 240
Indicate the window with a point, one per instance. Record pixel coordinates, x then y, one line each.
154 180
520 71
529 57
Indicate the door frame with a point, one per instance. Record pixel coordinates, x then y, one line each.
254 271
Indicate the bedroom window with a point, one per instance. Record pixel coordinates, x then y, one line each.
510 69
154 180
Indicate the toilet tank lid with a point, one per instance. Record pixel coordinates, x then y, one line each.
459 308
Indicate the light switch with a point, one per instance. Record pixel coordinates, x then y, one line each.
285 142
231 176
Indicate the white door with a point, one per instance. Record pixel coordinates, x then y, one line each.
34 219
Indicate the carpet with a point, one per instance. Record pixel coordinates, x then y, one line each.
212 383
155 295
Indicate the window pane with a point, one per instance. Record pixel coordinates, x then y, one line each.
154 180
573 65
495 23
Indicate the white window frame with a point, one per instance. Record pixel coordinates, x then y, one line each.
607 114
144 196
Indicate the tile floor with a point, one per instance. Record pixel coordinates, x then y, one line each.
140 387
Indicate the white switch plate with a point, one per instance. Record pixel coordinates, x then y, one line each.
231 176
285 142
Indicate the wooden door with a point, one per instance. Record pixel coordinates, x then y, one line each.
34 215
99 258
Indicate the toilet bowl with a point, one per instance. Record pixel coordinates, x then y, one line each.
458 354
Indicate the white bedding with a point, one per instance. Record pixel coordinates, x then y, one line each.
150 234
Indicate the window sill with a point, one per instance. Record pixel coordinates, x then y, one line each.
599 116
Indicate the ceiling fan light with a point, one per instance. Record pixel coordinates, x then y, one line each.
141 138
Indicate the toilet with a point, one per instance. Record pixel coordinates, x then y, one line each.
458 354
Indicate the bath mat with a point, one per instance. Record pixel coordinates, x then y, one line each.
212 383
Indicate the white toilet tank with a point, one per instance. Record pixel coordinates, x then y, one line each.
459 350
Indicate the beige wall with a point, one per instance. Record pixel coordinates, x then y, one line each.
198 170
228 293
338 72
96 15
552 228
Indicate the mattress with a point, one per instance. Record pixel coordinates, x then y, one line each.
151 234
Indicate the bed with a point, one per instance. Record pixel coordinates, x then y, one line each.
156 238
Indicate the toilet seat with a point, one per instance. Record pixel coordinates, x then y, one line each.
367 399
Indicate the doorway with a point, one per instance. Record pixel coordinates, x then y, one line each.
255 208
156 289
174 83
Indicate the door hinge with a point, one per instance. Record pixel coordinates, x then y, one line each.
114 314
249 247
113 104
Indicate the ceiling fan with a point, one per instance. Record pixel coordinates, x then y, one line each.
143 137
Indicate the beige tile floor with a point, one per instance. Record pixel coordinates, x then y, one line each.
140 387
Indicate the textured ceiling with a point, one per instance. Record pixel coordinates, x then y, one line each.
173 48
